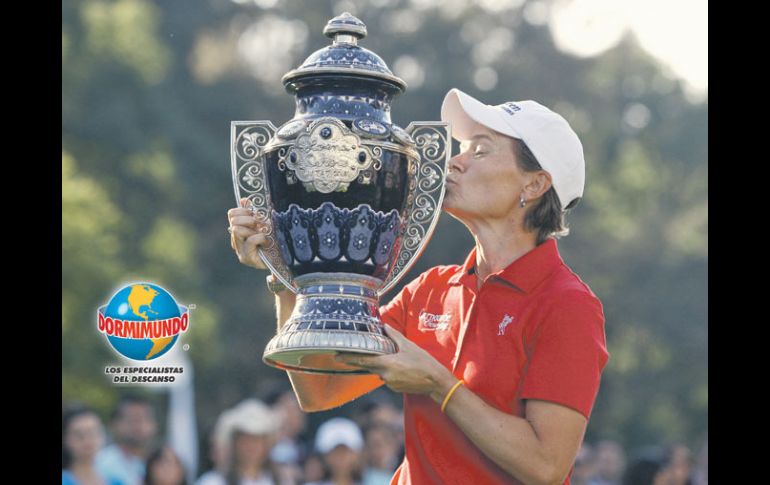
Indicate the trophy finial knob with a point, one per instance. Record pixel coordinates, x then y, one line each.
345 28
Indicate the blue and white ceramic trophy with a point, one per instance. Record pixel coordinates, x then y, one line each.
352 199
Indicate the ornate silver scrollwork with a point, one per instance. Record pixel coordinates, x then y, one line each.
247 142
328 156
433 142
291 129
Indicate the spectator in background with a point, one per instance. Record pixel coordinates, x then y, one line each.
646 468
657 466
384 412
245 435
133 427
164 468
339 440
585 465
610 463
82 438
217 447
380 410
678 465
700 474
290 451
313 469
381 454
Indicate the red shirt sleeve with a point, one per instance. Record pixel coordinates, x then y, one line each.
394 313
567 352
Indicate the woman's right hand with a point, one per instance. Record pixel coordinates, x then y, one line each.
247 234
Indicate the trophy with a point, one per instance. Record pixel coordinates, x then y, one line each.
351 197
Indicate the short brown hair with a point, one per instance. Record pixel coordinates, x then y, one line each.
546 216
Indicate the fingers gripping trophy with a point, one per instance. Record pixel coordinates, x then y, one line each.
346 198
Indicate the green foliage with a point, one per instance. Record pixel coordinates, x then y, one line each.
125 31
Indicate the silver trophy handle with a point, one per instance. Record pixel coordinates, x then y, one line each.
433 141
247 140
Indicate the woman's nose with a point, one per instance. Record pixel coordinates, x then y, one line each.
457 163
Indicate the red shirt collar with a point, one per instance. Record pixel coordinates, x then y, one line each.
525 273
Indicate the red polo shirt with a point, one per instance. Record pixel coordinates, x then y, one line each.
533 331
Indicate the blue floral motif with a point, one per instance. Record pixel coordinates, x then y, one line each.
346 306
388 232
326 222
329 240
359 241
280 235
362 226
299 233
338 236
346 55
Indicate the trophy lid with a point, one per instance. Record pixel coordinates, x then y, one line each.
344 58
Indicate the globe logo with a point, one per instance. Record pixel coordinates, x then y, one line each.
142 321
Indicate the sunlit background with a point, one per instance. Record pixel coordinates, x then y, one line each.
148 93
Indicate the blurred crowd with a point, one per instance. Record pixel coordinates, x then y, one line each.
606 463
267 442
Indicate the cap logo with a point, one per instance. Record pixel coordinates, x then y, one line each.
510 107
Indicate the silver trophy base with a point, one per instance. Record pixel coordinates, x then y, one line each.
335 312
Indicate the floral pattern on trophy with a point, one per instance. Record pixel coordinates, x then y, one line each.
330 238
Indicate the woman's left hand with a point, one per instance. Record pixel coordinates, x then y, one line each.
411 370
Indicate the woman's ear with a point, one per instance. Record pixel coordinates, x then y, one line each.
538 184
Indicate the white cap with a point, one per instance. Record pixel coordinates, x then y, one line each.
338 431
548 135
250 416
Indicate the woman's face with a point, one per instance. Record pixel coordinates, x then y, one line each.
84 437
678 470
314 469
381 446
484 179
167 470
294 418
251 449
342 460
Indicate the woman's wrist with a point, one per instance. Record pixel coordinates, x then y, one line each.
444 382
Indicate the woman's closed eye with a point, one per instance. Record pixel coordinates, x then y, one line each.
479 152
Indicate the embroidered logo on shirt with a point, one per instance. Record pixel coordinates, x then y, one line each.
429 321
507 319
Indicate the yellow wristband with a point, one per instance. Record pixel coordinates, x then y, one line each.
449 394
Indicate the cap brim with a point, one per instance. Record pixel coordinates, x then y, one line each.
256 429
465 113
330 446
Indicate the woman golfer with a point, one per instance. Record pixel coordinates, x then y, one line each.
499 359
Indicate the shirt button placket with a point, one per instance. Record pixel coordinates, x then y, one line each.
464 330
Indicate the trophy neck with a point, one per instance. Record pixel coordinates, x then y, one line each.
351 284
348 100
